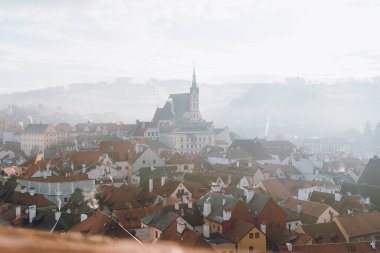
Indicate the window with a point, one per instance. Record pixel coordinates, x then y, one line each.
154 161
257 235
250 248
250 235
270 226
156 234
143 161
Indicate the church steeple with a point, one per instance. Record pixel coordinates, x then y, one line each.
194 99
194 84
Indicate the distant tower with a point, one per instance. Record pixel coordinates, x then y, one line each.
195 115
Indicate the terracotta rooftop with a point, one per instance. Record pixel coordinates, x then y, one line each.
360 224
276 189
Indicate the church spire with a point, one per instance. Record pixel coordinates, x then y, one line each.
194 84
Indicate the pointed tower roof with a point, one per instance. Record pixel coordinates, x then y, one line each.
194 84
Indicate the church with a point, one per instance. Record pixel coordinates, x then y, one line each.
180 124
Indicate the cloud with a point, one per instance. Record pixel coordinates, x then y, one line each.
45 42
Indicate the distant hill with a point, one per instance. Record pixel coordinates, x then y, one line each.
292 107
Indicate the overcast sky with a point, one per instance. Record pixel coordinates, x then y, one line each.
46 43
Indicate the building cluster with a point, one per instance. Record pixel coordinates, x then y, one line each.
178 179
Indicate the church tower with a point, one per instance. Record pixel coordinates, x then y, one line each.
195 115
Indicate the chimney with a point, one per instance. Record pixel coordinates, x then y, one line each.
180 226
249 164
189 204
83 168
289 246
32 213
248 193
299 208
72 166
164 200
83 217
150 184
57 216
162 181
373 244
206 230
18 211
226 215
350 211
229 179
23 189
206 208
224 202
45 174
237 164
32 191
263 228
176 206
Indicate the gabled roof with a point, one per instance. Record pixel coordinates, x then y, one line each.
360 224
238 230
371 173
276 189
161 219
310 210
323 232
117 198
130 218
36 128
101 224
251 148
216 200
26 199
188 238
257 204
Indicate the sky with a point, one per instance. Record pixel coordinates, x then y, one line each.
48 43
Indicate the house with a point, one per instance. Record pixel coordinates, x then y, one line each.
322 232
246 237
102 224
303 188
158 222
371 175
293 220
38 137
343 204
220 211
118 198
247 149
179 234
180 161
311 212
359 226
57 189
267 215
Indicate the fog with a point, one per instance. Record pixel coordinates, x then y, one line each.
294 107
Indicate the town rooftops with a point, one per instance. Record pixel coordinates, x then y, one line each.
250 148
354 247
